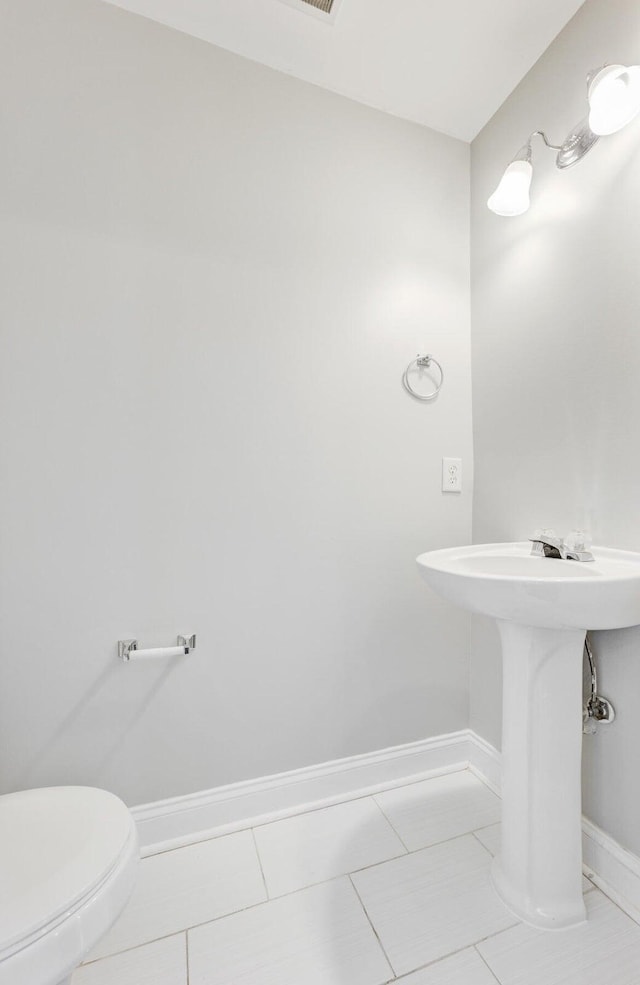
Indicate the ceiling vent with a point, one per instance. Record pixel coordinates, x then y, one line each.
326 10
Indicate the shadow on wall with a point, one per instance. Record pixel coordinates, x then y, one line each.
47 760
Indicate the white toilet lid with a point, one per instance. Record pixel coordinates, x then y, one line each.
56 846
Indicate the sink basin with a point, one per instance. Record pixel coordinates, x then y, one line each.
543 608
506 582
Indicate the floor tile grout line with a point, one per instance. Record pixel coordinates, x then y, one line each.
613 903
486 963
186 930
432 964
273 899
436 844
334 878
364 868
485 826
611 900
371 924
233 913
259 858
135 947
487 850
488 937
391 825
408 852
452 954
484 780
399 979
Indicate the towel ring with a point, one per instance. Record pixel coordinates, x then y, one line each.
422 362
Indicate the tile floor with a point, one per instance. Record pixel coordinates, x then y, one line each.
380 889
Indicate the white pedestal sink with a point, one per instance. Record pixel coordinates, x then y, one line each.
543 607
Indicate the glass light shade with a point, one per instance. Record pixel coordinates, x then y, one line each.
614 98
511 197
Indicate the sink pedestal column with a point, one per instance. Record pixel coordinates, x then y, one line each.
539 871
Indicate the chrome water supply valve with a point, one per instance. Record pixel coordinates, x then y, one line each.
597 709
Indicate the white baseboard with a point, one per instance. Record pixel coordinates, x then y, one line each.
185 820
613 869
486 762
180 821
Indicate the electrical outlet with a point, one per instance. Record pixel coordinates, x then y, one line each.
452 475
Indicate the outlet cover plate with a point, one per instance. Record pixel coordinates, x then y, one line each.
452 475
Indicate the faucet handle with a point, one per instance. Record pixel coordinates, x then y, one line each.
576 546
546 543
577 540
547 536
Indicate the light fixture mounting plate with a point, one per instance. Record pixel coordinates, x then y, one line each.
578 143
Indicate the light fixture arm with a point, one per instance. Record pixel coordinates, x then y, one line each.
541 133
576 145
526 151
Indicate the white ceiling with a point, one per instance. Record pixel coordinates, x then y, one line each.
447 65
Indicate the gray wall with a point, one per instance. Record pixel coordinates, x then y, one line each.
212 277
556 364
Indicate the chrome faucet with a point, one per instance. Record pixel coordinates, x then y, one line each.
546 543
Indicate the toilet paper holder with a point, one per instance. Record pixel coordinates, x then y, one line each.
128 649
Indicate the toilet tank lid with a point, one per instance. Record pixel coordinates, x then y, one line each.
57 844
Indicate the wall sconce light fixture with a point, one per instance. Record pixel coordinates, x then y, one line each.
614 100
